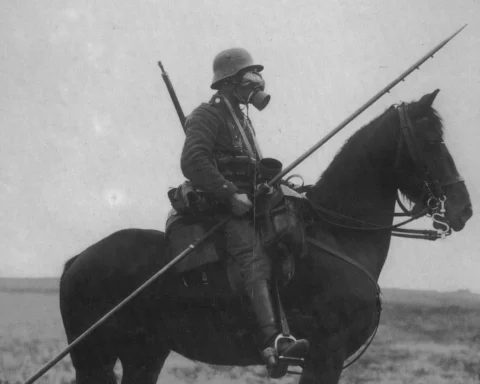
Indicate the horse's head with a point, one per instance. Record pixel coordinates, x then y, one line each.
426 172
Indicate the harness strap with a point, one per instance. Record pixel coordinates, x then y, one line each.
239 125
406 127
405 210
416 234
254 137
280 310
371 226
337 253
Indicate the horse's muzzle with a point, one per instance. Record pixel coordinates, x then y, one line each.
458 224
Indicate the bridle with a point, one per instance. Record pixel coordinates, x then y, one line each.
435 208
433 192
433 187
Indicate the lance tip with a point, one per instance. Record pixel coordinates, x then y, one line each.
460 30
449 38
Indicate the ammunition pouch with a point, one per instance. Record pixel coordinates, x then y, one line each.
242 171
236 168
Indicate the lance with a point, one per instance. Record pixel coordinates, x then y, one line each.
365 106
218 225
173 95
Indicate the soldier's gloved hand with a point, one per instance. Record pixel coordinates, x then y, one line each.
263 189
241 204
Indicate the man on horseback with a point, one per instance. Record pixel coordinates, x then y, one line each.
220 157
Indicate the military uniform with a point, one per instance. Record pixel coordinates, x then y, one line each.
211 136
213 144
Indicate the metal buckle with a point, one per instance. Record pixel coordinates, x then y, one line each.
439 217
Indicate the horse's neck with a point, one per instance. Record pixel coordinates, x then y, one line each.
362 194
358 190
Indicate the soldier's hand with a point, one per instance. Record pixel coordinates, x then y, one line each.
241 204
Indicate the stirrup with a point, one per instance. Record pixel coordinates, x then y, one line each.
277 365
287 360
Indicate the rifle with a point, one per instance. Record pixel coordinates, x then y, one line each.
173 95
197 242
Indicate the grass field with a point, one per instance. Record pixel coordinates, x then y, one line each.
424 337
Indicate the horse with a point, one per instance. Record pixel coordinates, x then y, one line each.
332 303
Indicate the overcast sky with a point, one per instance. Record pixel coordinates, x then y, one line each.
90 141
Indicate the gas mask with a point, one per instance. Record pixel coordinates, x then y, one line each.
250 89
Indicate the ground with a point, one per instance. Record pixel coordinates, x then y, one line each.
424 337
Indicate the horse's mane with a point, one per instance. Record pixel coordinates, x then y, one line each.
350 158
355 160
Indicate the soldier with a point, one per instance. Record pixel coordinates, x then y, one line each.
219 157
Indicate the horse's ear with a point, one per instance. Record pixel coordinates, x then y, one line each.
423 105
426 101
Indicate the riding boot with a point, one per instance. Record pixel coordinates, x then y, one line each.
270 340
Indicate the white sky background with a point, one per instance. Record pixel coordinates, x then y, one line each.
90 142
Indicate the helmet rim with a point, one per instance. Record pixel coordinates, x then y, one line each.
229 63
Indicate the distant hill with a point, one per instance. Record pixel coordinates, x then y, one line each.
464 297
29 285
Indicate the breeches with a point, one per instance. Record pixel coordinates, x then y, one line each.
246 253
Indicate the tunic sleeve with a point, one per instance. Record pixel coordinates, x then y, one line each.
197 161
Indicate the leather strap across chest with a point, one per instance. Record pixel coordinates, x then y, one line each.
339 254
253 152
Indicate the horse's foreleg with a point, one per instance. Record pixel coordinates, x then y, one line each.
142 361
325 360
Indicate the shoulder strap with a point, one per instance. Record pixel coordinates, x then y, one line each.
254 137
250 150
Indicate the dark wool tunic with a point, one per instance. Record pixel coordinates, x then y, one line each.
210 134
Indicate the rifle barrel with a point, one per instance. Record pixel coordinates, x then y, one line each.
173 95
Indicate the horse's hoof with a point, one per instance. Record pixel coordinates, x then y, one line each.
277 371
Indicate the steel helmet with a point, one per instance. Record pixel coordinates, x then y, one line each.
229 62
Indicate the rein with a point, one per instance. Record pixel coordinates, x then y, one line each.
395 228
435 208
368 226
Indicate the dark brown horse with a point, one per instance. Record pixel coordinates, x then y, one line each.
331 303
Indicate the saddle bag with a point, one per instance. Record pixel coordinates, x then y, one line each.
181 231
282 219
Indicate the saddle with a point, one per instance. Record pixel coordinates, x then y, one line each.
281 219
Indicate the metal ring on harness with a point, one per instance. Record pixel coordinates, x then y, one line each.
295 176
